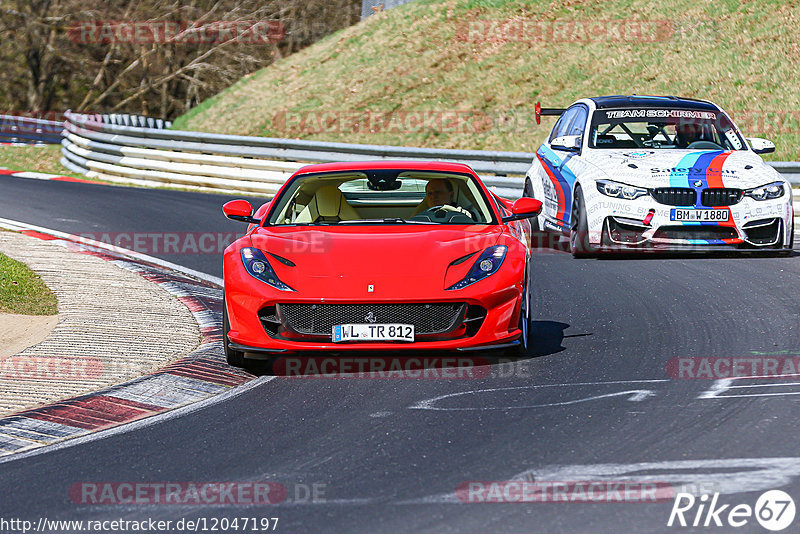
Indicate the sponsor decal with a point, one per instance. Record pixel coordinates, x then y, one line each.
690 170
659 114
640 154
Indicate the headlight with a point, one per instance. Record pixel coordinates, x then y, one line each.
257 265
619 190
487 264
766 192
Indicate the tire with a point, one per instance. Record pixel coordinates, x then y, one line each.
539 239
521 350
234 358
579 229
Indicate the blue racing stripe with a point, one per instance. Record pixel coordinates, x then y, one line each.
697 173
690 169
566 179
679 175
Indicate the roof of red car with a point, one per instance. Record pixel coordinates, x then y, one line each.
387 164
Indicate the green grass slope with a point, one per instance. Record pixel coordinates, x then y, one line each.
467 73
22 290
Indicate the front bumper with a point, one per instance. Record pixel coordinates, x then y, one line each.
617 224
490 317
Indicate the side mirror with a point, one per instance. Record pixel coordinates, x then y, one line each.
761 146
240 210
524 208
568 143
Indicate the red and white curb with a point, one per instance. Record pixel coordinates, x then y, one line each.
201 375
42 176
20 143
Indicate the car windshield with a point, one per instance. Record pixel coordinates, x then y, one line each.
381 197
664 129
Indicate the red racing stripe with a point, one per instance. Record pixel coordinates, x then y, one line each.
559 190
714 170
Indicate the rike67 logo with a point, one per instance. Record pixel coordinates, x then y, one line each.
774 510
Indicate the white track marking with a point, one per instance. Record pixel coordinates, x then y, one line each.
726 384
17 226
636 395
164 416
141 423
718 475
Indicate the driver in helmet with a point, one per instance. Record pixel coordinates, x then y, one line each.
687 133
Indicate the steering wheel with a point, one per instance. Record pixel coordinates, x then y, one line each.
441 212
704 144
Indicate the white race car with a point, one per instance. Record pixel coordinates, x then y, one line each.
657 173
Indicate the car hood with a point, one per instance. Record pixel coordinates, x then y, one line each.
679 168
341 262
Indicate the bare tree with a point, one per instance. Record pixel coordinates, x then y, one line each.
157 57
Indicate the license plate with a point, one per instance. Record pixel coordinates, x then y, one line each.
698 215
373 332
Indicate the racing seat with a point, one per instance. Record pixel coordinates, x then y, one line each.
611 141
327 205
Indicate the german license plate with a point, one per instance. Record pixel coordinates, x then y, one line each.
373 332
676 214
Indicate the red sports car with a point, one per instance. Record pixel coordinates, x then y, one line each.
383 255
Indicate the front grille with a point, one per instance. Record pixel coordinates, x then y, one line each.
686 196
675 196
695 232
319 319
723 196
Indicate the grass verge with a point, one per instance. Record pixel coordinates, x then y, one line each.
35 158
22 290
467 73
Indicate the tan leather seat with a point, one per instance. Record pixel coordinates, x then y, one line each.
328 205
422 206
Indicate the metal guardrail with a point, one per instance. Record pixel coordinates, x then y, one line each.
29 130
135 149
117 148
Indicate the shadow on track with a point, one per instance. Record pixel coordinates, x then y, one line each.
547 337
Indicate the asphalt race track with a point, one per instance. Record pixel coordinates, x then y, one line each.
593 403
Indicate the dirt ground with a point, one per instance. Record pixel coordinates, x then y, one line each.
18 332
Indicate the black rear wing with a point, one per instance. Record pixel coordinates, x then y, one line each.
539 110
